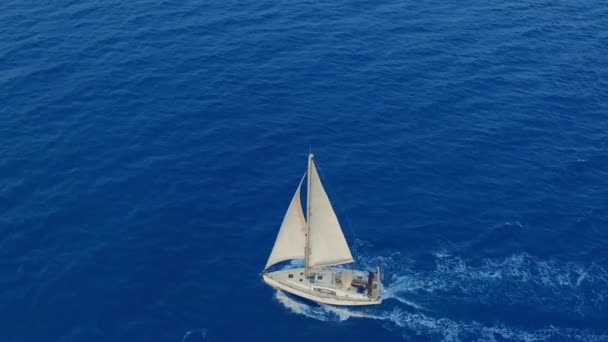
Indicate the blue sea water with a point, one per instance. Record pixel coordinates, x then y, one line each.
148 151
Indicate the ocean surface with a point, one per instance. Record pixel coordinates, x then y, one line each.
149 149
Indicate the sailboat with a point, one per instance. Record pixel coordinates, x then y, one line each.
319 240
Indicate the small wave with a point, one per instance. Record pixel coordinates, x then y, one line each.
196 335
403 300
300 308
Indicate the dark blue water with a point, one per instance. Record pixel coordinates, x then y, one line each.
148 151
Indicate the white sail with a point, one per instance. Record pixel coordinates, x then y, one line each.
291 240
326 241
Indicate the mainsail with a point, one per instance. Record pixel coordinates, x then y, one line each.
291 240
327 245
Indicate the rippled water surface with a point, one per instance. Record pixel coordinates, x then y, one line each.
148 151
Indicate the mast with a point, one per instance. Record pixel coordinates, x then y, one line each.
307 247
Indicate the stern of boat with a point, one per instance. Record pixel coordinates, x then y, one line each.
376 293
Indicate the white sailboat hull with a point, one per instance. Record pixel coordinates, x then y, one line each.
326 287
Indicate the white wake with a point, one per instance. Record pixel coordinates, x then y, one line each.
409 297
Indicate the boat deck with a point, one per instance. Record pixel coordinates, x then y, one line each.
331 286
